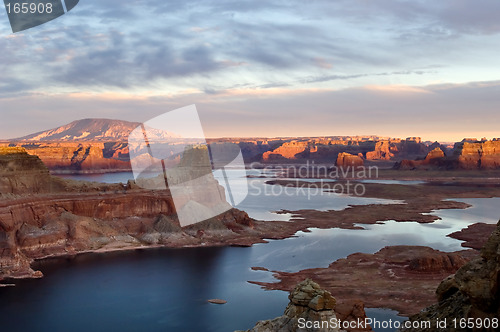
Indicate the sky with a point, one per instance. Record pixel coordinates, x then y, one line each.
261 68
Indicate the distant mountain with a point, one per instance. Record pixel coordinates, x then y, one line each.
86 130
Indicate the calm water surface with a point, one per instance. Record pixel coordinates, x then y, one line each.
167 289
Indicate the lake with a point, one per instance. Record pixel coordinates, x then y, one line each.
166 289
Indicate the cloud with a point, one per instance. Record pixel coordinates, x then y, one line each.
112 45
437 112
312 67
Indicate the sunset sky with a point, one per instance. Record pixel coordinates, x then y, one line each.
261 68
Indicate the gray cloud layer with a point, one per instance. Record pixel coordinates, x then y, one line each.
117 44
218 46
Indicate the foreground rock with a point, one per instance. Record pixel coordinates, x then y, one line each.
308 303
472 293
401 278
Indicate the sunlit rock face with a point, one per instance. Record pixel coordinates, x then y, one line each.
345 160
483 155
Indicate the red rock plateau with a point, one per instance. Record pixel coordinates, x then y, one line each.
89 145
101 145
469 154
327 149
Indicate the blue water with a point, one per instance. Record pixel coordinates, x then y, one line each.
117 177
167 289
153 290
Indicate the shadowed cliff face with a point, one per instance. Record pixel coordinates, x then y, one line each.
43 216
472 292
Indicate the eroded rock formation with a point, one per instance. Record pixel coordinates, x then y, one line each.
468 154
308 303
289 150
434 159
473 292
382 151
482 155
345 160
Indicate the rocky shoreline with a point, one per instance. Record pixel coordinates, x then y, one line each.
78 217
402 278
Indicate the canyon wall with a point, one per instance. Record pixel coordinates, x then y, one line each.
329 149
43 216
468 155
86 156
478 155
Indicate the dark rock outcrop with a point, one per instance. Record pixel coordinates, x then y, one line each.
475 235
434 159
308 302
472 292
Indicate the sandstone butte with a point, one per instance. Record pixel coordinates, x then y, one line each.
468 155
345 160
